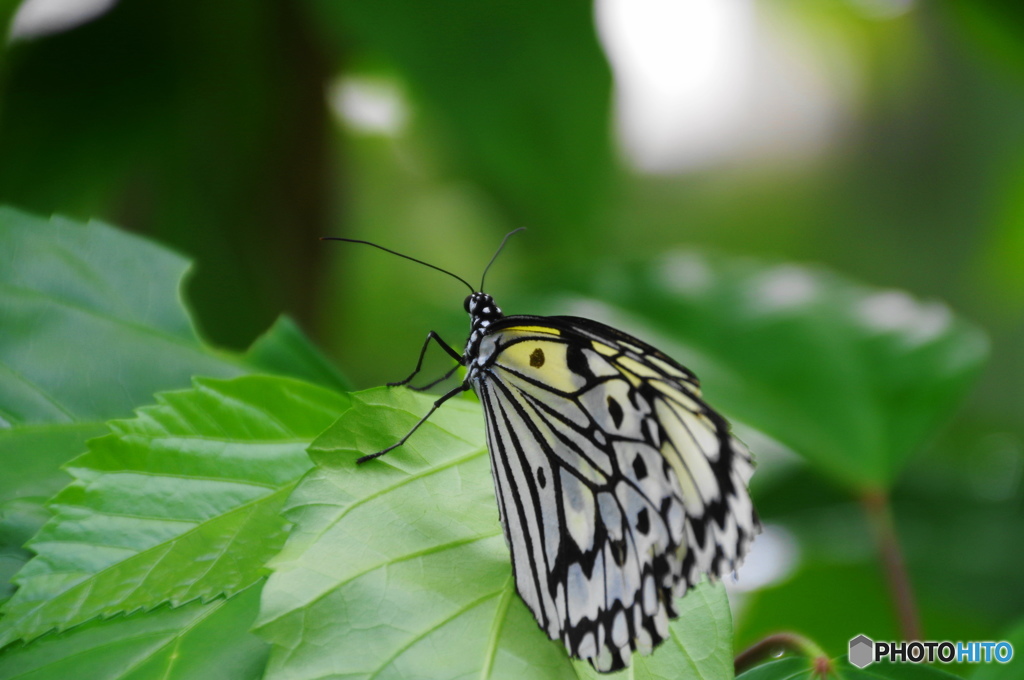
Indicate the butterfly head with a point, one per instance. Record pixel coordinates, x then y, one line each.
482 310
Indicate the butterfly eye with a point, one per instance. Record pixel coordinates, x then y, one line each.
465 304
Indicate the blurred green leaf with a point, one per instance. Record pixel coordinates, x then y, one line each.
32 456
1007 671
853 378
1000 271
522 90
285 350
94 324
179 503
203 124
8 8
20 519
789 668
194 642
792 668
400 565
981 543
896 671
996 27
856 590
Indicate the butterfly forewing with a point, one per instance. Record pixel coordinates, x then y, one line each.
618 488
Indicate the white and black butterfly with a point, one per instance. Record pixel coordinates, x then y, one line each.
618 487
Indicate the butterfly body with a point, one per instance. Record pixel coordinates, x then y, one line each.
617 486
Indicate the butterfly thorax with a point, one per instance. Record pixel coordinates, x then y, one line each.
482 313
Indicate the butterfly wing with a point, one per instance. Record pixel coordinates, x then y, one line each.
617 486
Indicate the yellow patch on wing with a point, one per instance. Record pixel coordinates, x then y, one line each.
637 368
518 331
542 360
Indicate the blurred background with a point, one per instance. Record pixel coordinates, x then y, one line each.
883 139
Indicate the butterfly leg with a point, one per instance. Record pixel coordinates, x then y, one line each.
419 362
437 404
430 384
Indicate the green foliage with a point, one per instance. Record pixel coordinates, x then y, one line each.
853 378
407 556
1015 636
800 669
86 305
193 642
157 512
94 325
180 503
148 469
527 109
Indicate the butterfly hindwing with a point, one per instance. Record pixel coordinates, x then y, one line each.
617 486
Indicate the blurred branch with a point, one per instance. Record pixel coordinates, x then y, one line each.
778 644
879 510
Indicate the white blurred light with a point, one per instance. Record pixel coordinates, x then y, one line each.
773 556
369 106
36 18
894 311
783 288
684 273
700 81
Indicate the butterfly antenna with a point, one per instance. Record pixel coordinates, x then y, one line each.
388 250
498 252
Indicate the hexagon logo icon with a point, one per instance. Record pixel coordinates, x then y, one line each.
862 651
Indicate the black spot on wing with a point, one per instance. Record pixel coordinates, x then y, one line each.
537 358
577 362
643 522
639 467
700 529
615 411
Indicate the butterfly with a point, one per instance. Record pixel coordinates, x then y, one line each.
618 487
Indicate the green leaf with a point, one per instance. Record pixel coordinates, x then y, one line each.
94 324
994 27
87 306
400 565
795 604
854 378
1000 671
790 668
794 668
194 642
20 519
893 671
32 454
699 645
285 350
179 503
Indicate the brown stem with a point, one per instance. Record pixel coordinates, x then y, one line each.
879 511
780 643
